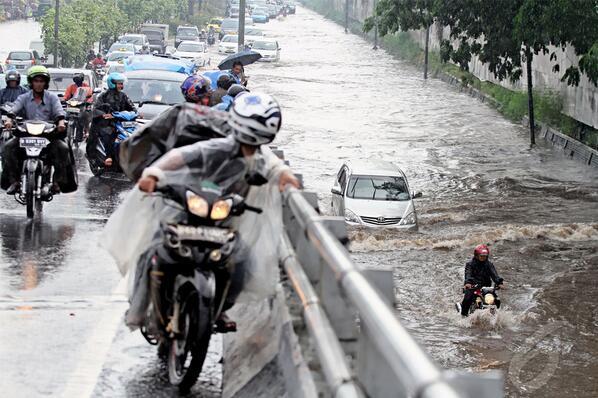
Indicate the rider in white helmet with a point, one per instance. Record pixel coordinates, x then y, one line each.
240 163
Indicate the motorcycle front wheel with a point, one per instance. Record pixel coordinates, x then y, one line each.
186 355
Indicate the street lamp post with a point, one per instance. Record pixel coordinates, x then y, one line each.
56 20
241 34
375 26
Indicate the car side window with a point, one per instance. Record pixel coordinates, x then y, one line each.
342 179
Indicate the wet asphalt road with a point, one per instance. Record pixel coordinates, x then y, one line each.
59 293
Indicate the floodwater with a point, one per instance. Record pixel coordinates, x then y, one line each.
481 184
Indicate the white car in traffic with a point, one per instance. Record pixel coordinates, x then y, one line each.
118 58
229 44
269 49
195 51
375 194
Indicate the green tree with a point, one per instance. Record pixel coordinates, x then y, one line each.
506 34
392 16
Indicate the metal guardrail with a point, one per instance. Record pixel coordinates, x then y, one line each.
386 361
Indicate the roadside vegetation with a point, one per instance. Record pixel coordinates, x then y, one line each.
82 23
512 104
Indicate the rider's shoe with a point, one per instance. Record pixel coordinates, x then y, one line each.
224 324
14 188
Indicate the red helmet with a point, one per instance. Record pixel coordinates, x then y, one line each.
481 250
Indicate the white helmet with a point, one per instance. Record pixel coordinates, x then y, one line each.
255 118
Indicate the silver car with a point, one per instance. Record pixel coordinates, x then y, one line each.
374 194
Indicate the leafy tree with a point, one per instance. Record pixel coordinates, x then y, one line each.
506 34
394 15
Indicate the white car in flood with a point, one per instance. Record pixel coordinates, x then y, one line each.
194 51
229 44
374 193
269 49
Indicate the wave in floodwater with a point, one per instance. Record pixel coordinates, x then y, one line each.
366 240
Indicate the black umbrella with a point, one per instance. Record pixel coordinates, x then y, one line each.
246 57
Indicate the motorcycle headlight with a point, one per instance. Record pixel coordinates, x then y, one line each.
197 205
489 299
73 103
351 217
35 128
221 209
408 219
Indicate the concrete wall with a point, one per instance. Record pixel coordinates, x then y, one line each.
581 103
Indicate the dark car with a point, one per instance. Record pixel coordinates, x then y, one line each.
156 39
154 91
186 33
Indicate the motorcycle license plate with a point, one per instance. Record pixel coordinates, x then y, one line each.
204 234
33 142
129 124
71 109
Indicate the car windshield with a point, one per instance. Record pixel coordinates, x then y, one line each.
377 188
264 45
230 24
116 69
154 35
230 39
138 40
118 56
215 22
187 31
260 11
191 47
121 47
60 81
164 91
20 56
253 32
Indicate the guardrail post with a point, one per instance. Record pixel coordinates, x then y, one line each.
373 370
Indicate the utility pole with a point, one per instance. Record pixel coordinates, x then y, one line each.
241 33
426 52
375 27
530 96
346 16
56 20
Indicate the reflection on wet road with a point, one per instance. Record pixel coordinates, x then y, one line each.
481 183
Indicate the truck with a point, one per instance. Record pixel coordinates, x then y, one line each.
157 35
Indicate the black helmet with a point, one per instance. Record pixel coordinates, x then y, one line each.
225 81
12 76
236 89
78 78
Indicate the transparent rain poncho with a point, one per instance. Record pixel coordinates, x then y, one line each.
135 226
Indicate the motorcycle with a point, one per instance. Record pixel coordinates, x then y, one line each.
211 39
190 276
125 125
37 173
485 299
75 115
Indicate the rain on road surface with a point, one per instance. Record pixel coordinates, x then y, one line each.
481 183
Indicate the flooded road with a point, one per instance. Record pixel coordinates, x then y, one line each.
481 184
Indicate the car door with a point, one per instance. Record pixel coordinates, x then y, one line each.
338 192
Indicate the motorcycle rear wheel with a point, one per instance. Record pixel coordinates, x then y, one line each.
179 349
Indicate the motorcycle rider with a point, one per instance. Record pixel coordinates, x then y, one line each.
479 271
98 61
231 94
223 84
39 104
13 87
102 126
197 90
78 81
254 121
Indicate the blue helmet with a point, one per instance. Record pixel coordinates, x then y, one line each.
114 78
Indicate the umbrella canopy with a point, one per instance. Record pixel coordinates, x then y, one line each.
246 57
